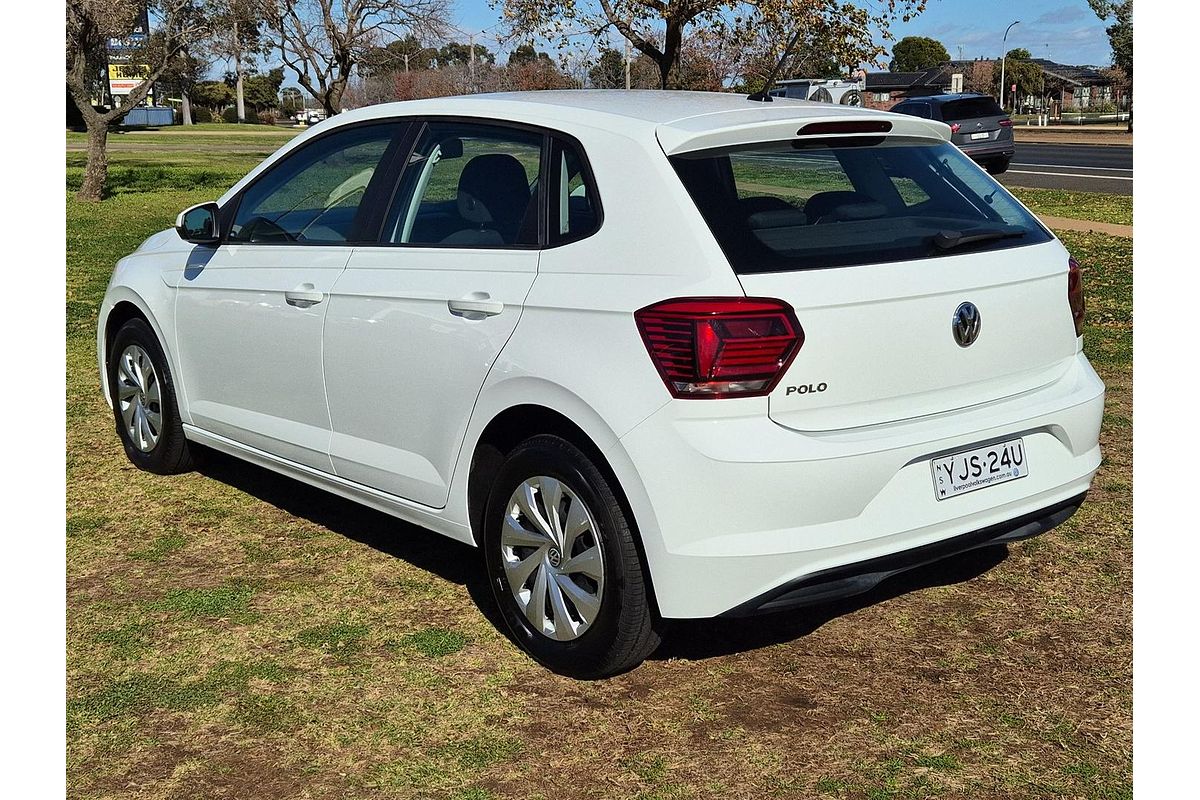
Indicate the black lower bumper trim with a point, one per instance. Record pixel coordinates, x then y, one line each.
851 579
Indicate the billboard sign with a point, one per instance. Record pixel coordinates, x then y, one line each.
123 74
124 78
120 48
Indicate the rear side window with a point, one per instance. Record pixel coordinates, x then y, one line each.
784 206
970 108
469 185
913 109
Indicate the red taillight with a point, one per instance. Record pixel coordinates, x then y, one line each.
1075 295
954 126
1006 123
711 347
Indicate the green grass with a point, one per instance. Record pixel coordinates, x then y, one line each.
232 598
1089 206
435 642
335 636
231 634
161 547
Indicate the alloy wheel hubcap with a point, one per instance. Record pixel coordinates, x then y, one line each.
550 549
139 398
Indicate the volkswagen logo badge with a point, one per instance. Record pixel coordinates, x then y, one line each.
965 324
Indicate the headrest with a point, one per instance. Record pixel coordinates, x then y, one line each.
493 188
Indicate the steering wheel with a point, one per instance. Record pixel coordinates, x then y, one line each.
261 229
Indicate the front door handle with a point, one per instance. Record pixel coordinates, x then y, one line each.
303 296
476 305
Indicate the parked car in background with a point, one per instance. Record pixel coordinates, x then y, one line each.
820 90
310 116
978 125
656 354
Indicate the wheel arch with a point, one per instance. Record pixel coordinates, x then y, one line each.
513 424
122 304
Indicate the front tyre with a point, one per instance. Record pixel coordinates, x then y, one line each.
143 401
563 564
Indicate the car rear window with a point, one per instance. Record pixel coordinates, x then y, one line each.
970 108
784 206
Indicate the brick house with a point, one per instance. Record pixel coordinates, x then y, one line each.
886 89
1081 88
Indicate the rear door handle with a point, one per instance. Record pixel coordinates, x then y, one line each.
476 304
303 296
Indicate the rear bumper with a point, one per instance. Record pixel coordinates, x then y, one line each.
989 151
737 511
862 576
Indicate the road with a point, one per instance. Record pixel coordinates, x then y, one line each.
1078 167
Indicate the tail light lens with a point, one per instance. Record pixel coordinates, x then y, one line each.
1006 123
713 347
954 126
1075 295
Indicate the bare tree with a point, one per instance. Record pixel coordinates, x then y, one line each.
323 40
90 23
658 28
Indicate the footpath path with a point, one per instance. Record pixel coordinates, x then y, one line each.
1067 224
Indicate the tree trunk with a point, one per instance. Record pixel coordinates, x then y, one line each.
241 102
237 66
95 175
331 97
186 109
664 71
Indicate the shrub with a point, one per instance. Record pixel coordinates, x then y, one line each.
201 114
266 117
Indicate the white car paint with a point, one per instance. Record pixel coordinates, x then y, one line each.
382 391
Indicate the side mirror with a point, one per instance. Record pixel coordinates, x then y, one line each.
199 224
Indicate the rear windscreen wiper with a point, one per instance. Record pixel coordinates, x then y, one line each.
948 240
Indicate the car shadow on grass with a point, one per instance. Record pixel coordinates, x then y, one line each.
461 564
446 558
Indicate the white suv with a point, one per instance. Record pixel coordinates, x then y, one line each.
658 354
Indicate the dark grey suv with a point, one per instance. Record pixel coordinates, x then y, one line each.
980 127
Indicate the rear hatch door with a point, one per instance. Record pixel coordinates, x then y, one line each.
978 120
887 248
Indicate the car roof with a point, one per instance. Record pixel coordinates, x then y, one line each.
681 121
633 112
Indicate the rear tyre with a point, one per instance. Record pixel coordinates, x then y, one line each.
563 563
143 401
998 166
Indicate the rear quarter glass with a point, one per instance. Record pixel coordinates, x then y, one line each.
783 206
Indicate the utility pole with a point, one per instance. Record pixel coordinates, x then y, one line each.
472 63
626 63
1003 58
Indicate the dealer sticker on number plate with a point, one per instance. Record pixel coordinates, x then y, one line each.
982 135
979 468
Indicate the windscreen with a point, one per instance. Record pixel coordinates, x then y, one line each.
970 108
783 206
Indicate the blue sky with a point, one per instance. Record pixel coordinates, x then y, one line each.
1063 30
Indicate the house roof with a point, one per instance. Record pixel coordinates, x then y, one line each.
1080 76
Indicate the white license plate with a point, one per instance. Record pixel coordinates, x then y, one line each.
979 468
983 135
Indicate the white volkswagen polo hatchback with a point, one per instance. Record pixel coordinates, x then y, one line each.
657 354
